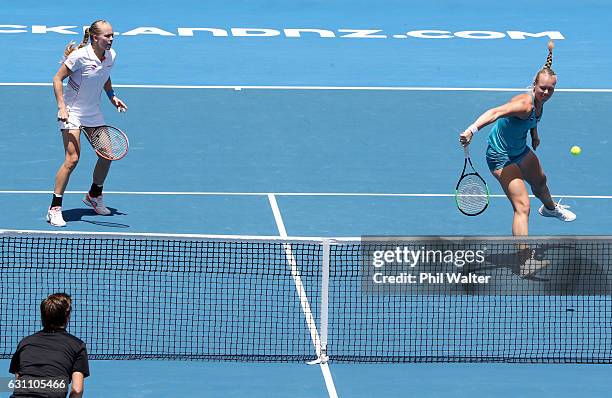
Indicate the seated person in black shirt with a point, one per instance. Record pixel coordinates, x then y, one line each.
51 355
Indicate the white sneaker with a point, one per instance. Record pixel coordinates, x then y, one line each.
561 212
97 204
54 217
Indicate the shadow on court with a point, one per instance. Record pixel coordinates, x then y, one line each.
75 215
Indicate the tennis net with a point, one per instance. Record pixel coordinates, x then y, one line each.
302 299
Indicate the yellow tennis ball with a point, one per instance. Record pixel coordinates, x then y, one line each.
575 150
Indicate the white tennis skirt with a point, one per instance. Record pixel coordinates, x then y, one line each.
75 121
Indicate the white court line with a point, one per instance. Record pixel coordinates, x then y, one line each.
305 194
372 88
278 218
299 286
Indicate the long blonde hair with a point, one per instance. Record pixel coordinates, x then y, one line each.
547 68
94 29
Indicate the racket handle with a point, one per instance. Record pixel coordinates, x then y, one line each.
466 151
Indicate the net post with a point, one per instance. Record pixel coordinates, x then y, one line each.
325 298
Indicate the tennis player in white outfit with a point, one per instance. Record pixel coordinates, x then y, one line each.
87 67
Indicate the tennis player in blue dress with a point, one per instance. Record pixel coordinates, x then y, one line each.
509 158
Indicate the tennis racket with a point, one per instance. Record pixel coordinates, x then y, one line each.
471 193
109 142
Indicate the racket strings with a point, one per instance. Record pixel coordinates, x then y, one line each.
110 142
472 195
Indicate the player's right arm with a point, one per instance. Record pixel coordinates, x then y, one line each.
58 89
519 106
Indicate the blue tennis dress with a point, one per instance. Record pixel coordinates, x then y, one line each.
508 140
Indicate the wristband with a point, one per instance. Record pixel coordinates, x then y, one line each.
472 128
110 94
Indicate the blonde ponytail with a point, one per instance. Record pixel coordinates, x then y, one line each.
549 58
547 68
94 29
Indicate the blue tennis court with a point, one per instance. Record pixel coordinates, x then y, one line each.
311 119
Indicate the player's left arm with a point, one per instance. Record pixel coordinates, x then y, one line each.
117 103
535 138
